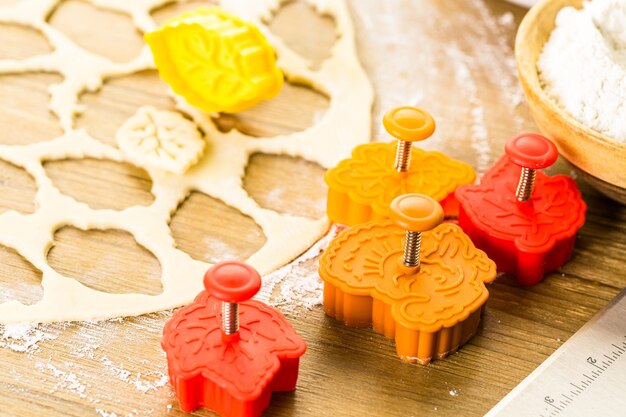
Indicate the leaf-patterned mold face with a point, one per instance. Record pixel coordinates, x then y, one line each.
527 239
430 311
215 60
231 373
362 187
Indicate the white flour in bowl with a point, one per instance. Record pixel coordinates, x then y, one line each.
583 65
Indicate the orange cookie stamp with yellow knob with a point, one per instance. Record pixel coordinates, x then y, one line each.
412 278
361 188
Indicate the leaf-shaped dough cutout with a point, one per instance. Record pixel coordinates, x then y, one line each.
93 181
314 35
209 230
161 139
304 105
24 103
20 42
17 189
276 182
19 279
96 30
105 260
118 100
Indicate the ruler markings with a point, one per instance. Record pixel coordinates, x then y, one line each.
603 339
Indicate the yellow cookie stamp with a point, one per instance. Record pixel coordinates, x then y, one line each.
216 61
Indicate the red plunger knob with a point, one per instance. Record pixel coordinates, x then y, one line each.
530 150
232 281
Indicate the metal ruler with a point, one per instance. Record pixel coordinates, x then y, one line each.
585 377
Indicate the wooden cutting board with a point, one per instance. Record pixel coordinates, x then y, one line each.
452 57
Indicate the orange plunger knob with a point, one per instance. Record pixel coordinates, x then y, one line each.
407 124
416 213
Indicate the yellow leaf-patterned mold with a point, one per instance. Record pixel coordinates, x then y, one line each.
215 60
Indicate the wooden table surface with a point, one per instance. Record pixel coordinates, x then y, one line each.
453 57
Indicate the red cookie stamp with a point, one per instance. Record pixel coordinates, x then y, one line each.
228 353
525 220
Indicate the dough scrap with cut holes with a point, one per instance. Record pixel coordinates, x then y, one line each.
218 174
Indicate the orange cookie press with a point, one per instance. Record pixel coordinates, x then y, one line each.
524 219
361 188
413 278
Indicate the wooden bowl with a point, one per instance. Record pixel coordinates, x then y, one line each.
602 160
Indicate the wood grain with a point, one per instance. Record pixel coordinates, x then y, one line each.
102 32
117 366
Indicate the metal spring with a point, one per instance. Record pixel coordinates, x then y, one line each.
412 248
230 318
526 183
403 156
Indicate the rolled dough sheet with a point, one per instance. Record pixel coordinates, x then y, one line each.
218 173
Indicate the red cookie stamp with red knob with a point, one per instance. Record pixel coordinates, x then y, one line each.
525 220
228 353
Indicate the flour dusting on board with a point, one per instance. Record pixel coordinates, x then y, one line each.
93 361
24 337
103 413
298 285
446 84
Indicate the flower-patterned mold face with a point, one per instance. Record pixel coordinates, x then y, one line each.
217 61
365 282
527 239
241 370
361 188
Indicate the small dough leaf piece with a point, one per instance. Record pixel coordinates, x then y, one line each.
161 139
